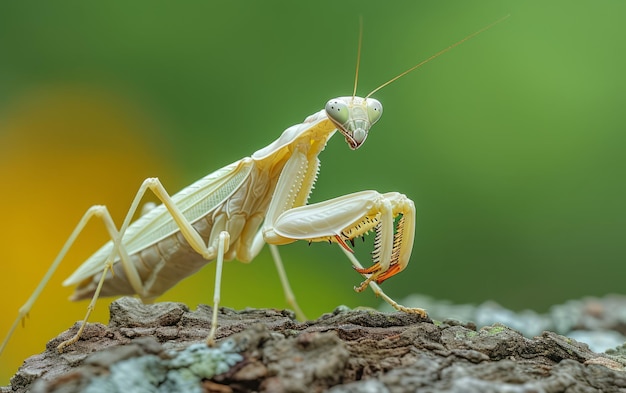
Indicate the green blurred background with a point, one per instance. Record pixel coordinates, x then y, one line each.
512 145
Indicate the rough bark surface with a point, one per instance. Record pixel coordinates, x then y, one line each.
345 351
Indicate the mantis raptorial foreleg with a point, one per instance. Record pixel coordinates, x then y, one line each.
378 290
345 217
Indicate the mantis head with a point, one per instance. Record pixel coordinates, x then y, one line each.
354 116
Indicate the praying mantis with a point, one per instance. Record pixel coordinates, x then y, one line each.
233 212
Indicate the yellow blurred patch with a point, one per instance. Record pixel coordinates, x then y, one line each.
61 151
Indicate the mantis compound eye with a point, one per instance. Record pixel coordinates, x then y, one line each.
374 110
338 111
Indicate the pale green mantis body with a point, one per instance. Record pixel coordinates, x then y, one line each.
233 212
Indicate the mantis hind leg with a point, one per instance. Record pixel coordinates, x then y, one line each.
118 250
95 211
186 229
25 309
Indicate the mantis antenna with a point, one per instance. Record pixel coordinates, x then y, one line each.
358 55
441 52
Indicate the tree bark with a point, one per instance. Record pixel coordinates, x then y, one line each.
266 350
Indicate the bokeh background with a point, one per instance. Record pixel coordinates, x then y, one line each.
512 145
